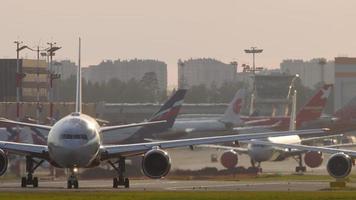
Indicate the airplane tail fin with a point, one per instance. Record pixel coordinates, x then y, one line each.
313 108
348 111
168 112
232 113
78 101
170 109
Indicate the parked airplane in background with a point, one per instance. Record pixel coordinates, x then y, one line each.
260 153
232 121
312 110
75 142
343 120
198 127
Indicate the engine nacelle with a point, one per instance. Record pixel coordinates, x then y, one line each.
156 163
313 159
229 159
339 165
3 162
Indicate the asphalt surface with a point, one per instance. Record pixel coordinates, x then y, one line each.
171 185
186 159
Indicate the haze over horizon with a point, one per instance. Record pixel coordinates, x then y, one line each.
172 30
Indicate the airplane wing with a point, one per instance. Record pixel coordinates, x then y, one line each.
239 150
321 137
112 128
292 147
40 151
258 127
7 122
257 121
111 151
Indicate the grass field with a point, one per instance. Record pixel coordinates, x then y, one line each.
179 195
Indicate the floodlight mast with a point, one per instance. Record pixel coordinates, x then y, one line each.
253 51
52 76
19 76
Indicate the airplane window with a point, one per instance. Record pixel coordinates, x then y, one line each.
75 136
84 137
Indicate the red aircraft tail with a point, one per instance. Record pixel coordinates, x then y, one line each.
314 107
348 111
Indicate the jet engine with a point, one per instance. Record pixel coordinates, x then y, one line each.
229 159
339 165
3 162
313 159
156 163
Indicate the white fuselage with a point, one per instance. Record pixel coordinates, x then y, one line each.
261 153
198 125
74 141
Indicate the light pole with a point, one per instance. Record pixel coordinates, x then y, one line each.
38 107
253 51
182 80
52 76
19 77
322 63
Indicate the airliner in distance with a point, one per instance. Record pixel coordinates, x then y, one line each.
75 142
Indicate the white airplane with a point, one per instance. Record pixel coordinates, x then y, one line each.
339 164
261 153
75 142
228 123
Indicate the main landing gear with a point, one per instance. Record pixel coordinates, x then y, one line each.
300 168
120 169
255 169
72 181
31 166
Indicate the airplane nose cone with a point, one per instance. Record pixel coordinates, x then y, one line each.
73 155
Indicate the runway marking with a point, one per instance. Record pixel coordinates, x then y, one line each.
240 185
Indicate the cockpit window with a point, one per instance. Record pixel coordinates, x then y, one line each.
75 136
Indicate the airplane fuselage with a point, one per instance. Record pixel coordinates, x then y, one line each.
74 141
199 125
261 153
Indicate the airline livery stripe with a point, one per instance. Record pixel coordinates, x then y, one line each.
178 103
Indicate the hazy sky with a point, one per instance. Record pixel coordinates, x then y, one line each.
171 29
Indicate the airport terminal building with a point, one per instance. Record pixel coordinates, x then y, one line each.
205 71
28 70
126 70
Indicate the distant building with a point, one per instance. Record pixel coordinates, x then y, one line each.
311 72
65 68
28 91
271 93
205 71
127 70
345 81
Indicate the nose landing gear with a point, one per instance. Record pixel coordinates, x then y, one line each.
72 181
